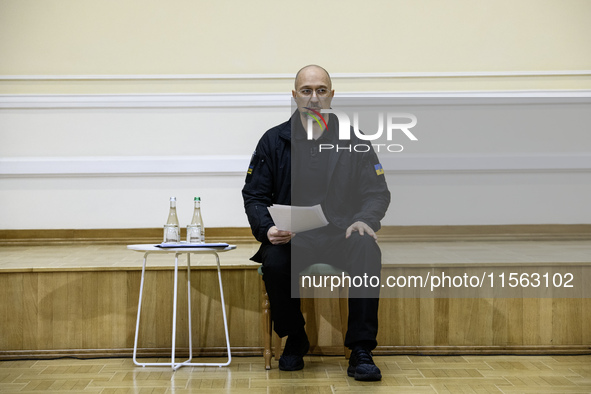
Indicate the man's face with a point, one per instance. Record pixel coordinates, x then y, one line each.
313 90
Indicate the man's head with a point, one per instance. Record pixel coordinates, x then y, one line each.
313 89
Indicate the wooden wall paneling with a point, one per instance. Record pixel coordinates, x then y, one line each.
217 322
90 310
209 304
161 315
391 321
567 322
149 318
6 290
133 293
4 295
532 321
328 322
96 310
213 326
253 287
74 322
46 300
182 319
457 321
427 321
234 296
30 311
15 311
441 316
515 322
476 316
545 329
59 311
317 314
500 322
119 310
412 322
242 292
586 321
105 303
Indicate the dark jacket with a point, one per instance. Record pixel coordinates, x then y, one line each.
357 189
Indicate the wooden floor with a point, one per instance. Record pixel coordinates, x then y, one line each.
404 374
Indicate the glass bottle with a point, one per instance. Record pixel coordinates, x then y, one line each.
172 231
195 229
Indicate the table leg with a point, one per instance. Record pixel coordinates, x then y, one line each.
189 305
224 311
174 302
186 363
137 325
139 311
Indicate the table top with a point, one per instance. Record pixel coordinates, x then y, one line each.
154 248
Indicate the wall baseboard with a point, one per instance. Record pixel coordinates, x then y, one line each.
316 350
219 165
233 235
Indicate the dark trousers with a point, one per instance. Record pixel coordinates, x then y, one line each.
358 256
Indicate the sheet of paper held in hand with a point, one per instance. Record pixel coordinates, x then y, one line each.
297 219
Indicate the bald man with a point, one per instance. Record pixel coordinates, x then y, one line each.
289 167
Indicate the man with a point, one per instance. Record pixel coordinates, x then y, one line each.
290 167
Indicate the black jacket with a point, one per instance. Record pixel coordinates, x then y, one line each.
357 189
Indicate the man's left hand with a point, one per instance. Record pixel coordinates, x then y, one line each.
362 228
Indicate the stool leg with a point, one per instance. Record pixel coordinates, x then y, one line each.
267 330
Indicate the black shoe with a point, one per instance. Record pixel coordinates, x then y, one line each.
362 367
292 358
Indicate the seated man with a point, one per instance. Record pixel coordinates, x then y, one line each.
288 167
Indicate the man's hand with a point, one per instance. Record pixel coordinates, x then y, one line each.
279 237
362 228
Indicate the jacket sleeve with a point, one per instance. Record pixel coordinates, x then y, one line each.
374 196
258 192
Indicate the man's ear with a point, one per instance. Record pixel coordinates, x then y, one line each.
293 93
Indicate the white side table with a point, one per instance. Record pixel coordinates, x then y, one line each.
150 249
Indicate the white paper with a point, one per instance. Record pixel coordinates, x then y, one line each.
297 219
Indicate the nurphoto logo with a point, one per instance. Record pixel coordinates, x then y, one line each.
394 122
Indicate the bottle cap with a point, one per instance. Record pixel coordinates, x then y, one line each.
197 198
172 198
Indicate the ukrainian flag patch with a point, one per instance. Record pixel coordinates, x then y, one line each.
249 170
379 169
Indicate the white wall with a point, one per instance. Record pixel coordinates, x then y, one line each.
109 107
113 161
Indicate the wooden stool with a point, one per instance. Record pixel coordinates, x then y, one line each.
268 334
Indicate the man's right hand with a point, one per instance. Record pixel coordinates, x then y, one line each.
279 237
